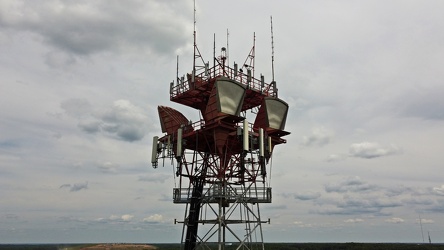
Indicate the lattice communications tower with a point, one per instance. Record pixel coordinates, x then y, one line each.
222 160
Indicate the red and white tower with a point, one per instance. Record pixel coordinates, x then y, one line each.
222 159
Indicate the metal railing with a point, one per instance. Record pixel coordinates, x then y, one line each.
185 84
215 194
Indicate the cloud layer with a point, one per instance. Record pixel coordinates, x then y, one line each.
81 81
122 120
370 150
85 28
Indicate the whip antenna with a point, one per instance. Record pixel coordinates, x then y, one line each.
194 38
272 49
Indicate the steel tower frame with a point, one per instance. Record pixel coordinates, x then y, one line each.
222 158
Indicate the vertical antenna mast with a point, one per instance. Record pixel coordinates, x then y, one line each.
214 49
249 62
194 38
272 49
177 69
228 50
422 232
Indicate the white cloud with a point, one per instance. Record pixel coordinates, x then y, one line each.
395 220
114 217
439 190
117 218
127 217
369 150
81 81
320 136
299 223
155 218
354 220
427 221
302 224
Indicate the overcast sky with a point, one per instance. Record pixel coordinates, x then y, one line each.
80 82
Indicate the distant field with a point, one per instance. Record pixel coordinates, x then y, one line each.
268 246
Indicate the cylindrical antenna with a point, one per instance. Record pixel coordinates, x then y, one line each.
235 69
179 144
214 50
272 49
262 82
261 142
154 152
169 146
246 137
194 15
270 146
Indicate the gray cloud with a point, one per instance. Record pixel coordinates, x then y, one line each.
156 177
336 157
75 187
358 198
65 186
398 191
349 205
278 207
90 127
123 120
356 66
353 196
307 196
436 207
85 27
126 121
424 101
107 167
369 150
351 184
76 107
425 201
58 59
